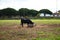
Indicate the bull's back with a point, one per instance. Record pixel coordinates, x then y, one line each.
28 21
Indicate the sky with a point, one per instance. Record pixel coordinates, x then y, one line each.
52 5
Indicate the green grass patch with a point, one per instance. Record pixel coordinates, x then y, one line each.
9 22
52 21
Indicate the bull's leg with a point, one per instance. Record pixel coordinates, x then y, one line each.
22 24
27 25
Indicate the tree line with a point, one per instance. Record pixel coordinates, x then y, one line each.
11 12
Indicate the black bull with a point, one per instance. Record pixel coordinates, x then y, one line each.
27 21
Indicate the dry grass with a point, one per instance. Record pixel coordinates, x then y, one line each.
16 32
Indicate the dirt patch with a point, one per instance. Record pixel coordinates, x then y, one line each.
25 26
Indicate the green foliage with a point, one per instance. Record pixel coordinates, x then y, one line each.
45 11
8 12
23 12
33 13
27 12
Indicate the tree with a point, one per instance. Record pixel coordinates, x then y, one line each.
33 13
58 11
0 13
45 11
9 12
23 12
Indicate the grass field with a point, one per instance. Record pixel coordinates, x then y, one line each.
44 30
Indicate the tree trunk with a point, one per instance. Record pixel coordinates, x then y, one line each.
44 15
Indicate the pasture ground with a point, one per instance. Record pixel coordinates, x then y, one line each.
44 30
